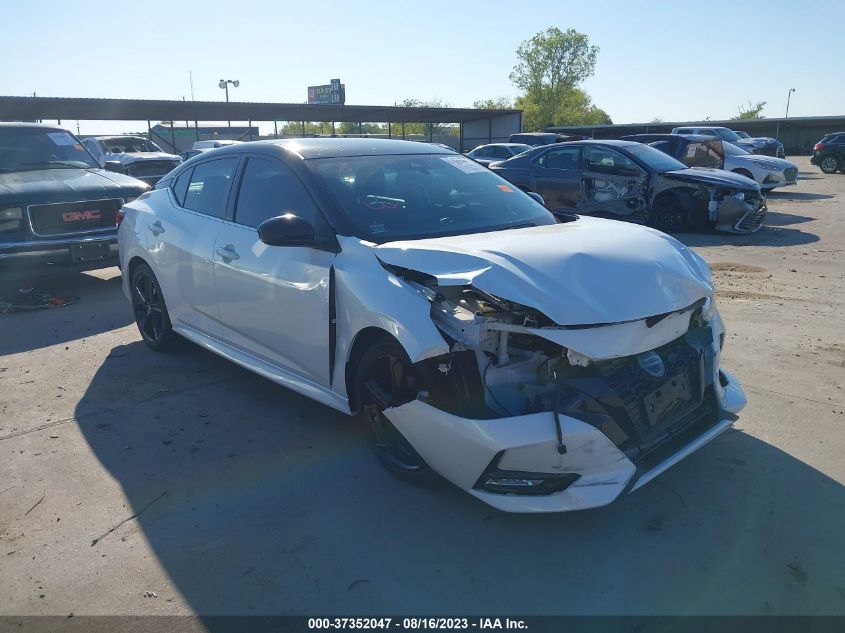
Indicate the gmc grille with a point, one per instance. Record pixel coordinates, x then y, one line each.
68 218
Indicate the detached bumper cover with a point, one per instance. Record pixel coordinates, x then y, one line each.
461 449
737 216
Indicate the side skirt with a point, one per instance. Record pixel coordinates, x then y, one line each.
267 370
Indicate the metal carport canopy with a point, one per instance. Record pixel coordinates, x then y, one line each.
31 108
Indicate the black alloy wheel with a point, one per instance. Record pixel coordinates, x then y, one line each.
668 214
150 311
386 379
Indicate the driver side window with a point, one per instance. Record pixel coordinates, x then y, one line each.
603 160
269 189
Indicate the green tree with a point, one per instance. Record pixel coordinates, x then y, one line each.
550 66
575 108
425 129
749 111
499 103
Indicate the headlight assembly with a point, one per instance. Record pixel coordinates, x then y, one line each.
767 166
10 218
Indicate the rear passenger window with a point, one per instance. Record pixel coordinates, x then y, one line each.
269 189
181 186
208 187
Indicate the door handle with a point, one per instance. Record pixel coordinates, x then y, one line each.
227 253
156 227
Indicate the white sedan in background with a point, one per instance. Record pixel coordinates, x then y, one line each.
494 152
767 171
542 363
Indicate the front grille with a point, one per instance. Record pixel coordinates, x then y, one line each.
68 218
752 220
685 366
149 168
791 174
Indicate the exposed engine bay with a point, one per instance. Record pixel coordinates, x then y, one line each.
506 361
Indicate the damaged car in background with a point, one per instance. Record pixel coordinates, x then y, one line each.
134 156
629 181
542 363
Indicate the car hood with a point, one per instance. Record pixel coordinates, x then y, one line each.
715 177
780 163
135 157
48 184
586 272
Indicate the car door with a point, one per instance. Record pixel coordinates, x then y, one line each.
182 242
274 300
556 175
611 183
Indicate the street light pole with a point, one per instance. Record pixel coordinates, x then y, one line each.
788 97
224 84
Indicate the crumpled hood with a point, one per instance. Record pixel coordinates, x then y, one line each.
134 157
590 271
716 177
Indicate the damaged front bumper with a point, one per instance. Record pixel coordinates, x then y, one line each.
468 452
741 216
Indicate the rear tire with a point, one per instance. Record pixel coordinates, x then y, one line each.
829 164
385 367
151 315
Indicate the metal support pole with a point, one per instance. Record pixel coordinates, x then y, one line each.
360 129
196 130
403 130
149 130
430 132
303 128
275 129
249 122
461 137
389 130
172 137
489 129
333 131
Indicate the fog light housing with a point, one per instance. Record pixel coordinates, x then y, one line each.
516 482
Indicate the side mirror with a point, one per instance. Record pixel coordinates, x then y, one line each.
286 230
113 165
537 197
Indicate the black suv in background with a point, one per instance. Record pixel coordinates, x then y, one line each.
829 153
57 205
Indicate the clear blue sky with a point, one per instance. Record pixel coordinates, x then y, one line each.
676 60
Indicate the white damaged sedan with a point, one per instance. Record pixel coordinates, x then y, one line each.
540 363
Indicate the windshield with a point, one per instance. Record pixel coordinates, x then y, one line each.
29 148
395 197
743 135
728 135
128 145
653 158
520 148
733 150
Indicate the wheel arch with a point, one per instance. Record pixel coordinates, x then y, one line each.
363 340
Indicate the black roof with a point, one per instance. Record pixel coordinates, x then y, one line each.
667 136
45 126
333 147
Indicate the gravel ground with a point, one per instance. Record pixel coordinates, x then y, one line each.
136 483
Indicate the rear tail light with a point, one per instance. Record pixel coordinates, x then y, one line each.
817 147
118 217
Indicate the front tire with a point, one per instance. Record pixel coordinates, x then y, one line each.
151 314
669 213
829 164
385 373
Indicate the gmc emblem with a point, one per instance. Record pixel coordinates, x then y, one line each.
77 216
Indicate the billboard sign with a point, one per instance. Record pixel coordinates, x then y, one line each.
333 93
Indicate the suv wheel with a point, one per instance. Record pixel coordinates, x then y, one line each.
829 164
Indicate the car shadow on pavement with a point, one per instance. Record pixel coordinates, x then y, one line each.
94 312
256 500
774 218
796 196
766 236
